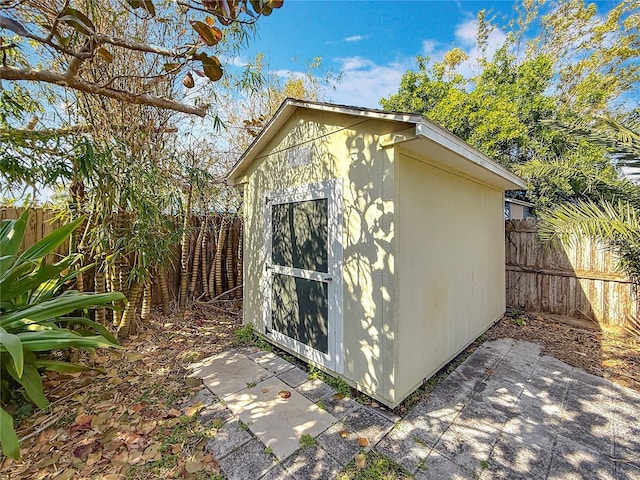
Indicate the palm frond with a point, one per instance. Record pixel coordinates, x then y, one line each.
606 221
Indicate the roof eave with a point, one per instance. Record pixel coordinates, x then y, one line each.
433 132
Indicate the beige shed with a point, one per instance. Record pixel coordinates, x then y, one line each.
373 240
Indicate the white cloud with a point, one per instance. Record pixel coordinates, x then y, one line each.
466 34
355 38
364 82
430 47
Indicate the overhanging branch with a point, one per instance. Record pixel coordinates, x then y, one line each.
33 75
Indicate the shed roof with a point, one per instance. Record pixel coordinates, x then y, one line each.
450 150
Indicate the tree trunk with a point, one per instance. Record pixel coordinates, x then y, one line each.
195 267
129 314
164 291
145 311
218 263
212 270
116 285
239 278
203 260
99 287
184 258
230 256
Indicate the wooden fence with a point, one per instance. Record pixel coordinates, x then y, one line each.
42 222
579 282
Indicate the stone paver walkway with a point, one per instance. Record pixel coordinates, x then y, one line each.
508 412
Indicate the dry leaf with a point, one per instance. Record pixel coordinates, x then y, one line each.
152 452
193 409
175 449
120 458
147 427
173 413
344 433
93 458
265 390
193 467
363 442
284 393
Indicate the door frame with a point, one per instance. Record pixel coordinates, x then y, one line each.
332 191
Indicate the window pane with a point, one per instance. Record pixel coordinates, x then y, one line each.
299 310
299 236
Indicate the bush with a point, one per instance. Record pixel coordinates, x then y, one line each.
37 316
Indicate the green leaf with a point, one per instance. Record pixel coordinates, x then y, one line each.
78 20
211 67
43 340
13 345
8 437
171 67
11 234
59 306
95 326
49 243
32 384
62 367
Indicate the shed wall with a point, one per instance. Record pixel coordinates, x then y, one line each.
450 272
340 147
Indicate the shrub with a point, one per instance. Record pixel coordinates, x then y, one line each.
38 316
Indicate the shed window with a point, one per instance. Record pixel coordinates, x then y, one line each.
300 310
300 235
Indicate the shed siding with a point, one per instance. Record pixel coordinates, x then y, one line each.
340 148
451 268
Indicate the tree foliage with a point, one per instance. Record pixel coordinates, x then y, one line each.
559 61
73 43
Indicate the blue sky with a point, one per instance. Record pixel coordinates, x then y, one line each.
372 42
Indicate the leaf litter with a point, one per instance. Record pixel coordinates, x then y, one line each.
125 419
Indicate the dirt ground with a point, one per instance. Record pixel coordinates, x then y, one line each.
125 419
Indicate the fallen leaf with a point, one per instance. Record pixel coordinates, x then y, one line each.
284 393
193 381
175 449
67 474
193 467
152 452
193 409
363 442
83 451
265 390
344 433
147 427
120 458
93 458
172 412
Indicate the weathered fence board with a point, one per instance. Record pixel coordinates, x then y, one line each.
578 282
40 224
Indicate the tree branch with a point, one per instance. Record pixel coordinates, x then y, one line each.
29 74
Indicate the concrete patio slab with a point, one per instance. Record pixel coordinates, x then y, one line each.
294 377
278 422
250 462
271 362
508 412
229 372
312 464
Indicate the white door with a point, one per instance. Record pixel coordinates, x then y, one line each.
303 271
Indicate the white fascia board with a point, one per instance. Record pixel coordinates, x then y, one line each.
441 136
